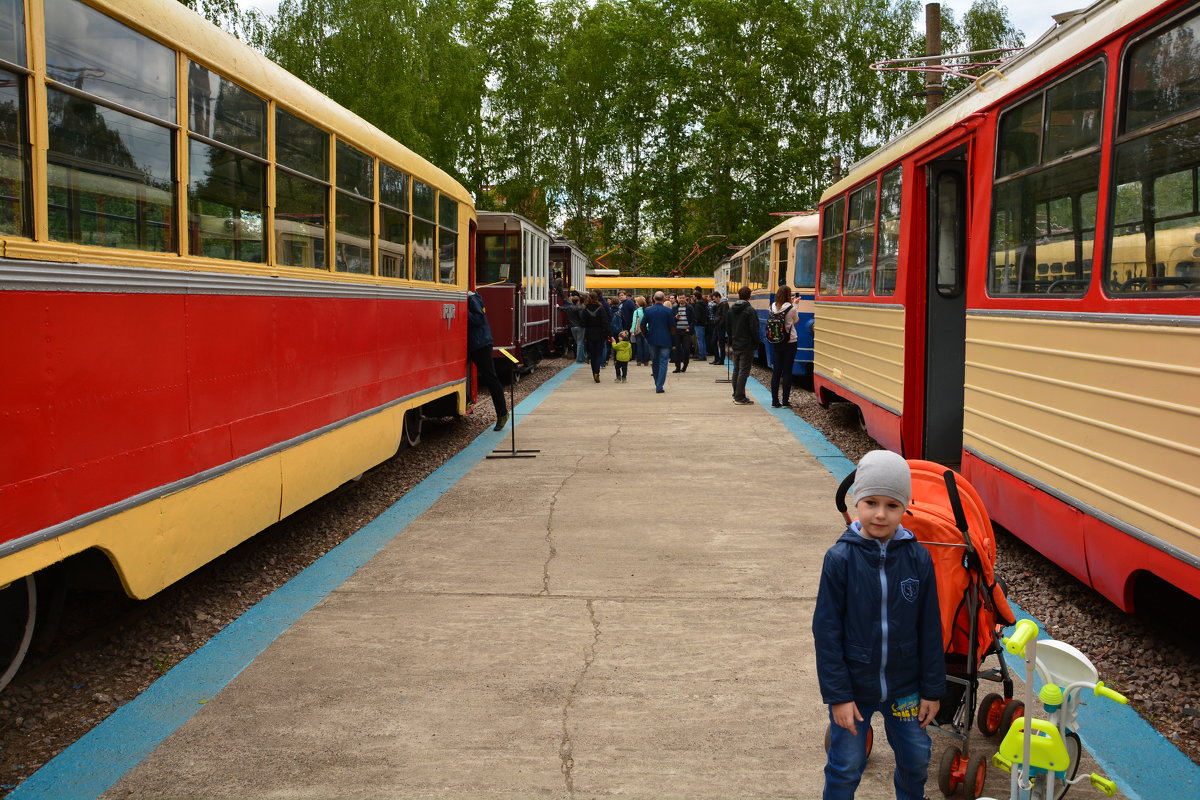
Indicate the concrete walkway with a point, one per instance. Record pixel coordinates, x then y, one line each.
626 614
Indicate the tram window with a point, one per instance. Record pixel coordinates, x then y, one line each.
301 146
1073 112
12 31
1044 215
950 228
833 228
759 265
355 171
447 240
1162 77
221 110
1156 228
1020 137
225 203
887 260
96 54
393 187
110 176
13 168
393 220
805 265
1155 235
393 243
424 232
860 241
781 261
423 250
353 235
496 254
300 221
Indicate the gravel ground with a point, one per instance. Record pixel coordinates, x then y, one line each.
102 664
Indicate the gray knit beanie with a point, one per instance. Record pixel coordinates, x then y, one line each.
882 472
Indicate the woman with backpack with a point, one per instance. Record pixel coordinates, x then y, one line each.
781 337
597 330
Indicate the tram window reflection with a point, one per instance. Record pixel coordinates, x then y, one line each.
12 31
353 252
447 239
14 218
221 110
831 246
423 253
110 176
94 53
225 203
300 226
301 146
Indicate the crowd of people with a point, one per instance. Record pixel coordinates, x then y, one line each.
679 329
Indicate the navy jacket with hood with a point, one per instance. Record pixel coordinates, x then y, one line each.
873 646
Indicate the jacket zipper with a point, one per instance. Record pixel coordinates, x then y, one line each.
883 616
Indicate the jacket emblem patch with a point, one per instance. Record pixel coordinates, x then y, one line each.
908 589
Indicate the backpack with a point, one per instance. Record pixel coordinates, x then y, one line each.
777 332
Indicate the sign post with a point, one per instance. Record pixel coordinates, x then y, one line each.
512 452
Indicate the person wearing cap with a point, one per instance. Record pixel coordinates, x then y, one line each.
878 634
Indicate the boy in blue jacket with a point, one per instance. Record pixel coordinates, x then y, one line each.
878 634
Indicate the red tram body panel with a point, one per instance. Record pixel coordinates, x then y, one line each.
1013 286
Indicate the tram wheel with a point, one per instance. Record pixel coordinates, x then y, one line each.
18 615
412 427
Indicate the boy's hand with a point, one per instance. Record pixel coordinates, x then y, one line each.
929 709
845 715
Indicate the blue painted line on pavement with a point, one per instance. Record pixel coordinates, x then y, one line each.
97 761
1144 764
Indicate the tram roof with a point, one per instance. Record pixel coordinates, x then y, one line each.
495 220
807 224
1053 48
182 29
648 282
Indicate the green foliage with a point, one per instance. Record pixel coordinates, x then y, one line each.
637 126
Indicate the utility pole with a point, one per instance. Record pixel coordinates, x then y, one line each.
934 91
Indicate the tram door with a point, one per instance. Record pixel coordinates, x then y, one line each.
945 319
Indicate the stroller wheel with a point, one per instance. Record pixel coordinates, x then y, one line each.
1012 710
976 776
870 739
991 710
950 769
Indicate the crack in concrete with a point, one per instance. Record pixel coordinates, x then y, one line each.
566 747
550 530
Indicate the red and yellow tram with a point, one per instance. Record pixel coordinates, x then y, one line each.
1011 285
221 294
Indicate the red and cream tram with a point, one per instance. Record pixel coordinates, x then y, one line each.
512 275
1012 286
221 294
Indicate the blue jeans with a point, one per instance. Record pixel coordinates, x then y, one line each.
847 755
641 349
701 343
660 354
580 345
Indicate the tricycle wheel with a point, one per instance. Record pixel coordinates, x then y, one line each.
990 712
950 763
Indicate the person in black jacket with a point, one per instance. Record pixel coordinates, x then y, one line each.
741 322
479 351
700 328
717 325
681 342
597 330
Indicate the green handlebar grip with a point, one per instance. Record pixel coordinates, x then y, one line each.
1103 691
1025 632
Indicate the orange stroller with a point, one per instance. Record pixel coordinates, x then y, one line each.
949 518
